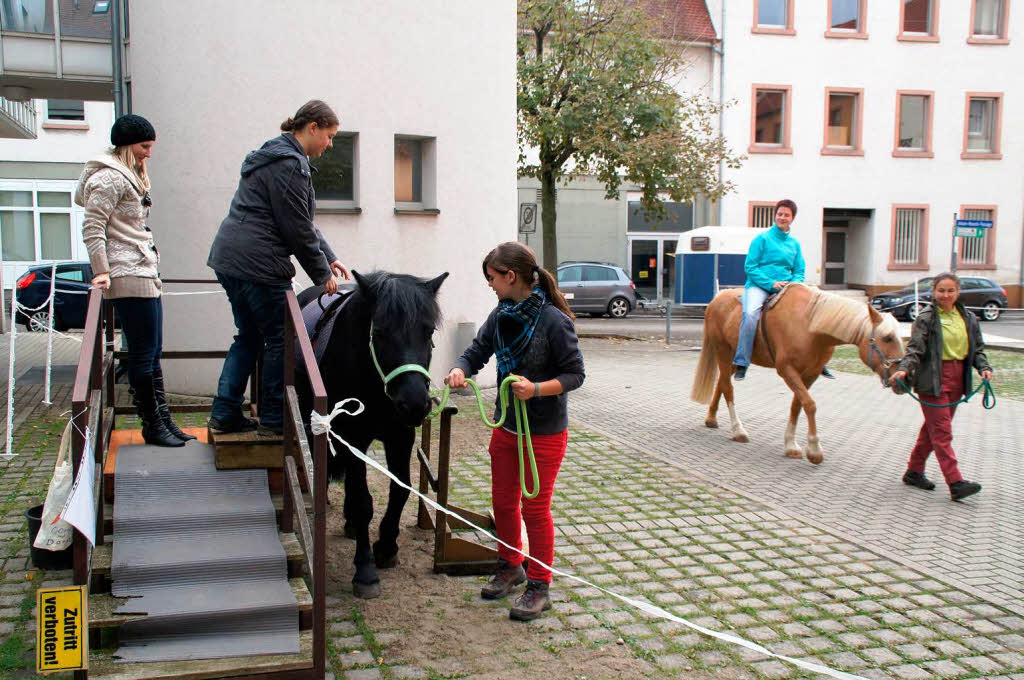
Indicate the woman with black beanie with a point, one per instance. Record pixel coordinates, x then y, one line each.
114 190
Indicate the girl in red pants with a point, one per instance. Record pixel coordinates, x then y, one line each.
531 335
945 344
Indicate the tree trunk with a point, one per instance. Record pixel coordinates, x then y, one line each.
548 215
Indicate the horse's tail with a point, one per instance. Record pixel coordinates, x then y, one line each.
707 368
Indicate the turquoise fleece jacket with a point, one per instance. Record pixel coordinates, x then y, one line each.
773 256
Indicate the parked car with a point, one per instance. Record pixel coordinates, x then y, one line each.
983 296
69 304
597 287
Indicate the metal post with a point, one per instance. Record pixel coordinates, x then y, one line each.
952 264
115 56
668 323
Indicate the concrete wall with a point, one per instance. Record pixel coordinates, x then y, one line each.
69 144
219 87
880 65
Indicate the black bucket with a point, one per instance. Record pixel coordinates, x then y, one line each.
41 557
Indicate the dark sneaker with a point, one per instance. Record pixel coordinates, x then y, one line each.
243 424
962 489
739 372
911 478
825 373
270 430
532 603
505 579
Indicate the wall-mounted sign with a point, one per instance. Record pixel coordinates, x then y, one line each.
652 263
699 243
527 218
62 639
643 273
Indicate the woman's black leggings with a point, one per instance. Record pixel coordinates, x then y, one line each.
142 324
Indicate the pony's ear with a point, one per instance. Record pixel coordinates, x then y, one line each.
435 284
363 285
876 318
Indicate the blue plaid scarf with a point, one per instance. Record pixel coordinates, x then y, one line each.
516 323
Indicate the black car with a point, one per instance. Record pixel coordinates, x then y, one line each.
983 296
70 301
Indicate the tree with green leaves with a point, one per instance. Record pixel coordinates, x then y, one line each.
596 97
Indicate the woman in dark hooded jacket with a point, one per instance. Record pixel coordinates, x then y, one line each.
945 344
270 219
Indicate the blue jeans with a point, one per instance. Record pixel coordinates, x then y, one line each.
753 298
142 331
258 309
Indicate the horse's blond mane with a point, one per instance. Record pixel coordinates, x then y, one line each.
840 317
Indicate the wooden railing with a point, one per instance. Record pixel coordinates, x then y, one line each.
314 542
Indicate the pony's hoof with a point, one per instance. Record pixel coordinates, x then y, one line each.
815 458
794 453
742 438
382 559
349 532
713 424
366 591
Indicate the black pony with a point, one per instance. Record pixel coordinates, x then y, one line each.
404 312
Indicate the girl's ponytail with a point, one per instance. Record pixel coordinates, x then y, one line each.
549 284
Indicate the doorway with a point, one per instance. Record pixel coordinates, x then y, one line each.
834 269
652 265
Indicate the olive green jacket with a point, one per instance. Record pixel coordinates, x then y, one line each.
923 360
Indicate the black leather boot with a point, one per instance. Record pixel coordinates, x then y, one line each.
154 431
163 409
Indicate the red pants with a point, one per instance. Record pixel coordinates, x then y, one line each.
506 494
937 432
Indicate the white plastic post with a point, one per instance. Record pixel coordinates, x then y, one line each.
49 334
10 374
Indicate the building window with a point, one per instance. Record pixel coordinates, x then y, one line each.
415 184
65 110
978 253
909 247
335 178
35 224
843 122
770 116
760 214
913 124
846 19
988 22
919 20
982 126
773 16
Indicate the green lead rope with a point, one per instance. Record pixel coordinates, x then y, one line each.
988 400
522 425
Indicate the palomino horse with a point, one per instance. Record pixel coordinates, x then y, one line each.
386 323
802 330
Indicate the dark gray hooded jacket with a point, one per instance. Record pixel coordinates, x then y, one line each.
271 219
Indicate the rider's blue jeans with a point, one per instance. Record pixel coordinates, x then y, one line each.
753 298
258 309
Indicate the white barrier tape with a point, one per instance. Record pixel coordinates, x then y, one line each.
321 424
49 335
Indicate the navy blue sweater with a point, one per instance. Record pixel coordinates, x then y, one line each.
553 354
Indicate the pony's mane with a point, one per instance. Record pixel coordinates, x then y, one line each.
842 318
404 302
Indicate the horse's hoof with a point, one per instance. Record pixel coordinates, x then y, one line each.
815 459
386 562
742 438
713 424
794 453
349 532
366 591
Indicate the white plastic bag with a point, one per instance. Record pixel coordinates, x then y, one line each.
57 536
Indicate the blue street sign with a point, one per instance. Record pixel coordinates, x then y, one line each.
977 224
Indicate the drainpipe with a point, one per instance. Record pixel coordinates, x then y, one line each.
115 57
720 51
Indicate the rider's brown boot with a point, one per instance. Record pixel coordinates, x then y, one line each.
532 603
505 579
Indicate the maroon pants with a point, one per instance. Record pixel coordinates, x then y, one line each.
511 507
937 432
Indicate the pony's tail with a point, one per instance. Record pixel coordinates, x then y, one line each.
707 370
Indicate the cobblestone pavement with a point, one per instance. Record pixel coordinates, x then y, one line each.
866 433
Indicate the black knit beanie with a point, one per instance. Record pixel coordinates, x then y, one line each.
131 129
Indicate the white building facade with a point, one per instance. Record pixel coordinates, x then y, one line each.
884 121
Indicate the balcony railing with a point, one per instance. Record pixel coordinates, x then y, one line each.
17 119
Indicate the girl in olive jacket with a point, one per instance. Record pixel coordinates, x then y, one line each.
945 344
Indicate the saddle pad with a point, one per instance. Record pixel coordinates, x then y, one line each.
774 298
311 314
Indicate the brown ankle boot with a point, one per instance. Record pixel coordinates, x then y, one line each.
531 603
505 579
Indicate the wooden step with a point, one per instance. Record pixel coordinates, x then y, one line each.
103 667
102 557
119 438
241 450
102 608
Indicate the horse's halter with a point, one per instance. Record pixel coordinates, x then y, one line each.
884 361
404 368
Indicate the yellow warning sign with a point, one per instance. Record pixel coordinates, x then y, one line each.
62 636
